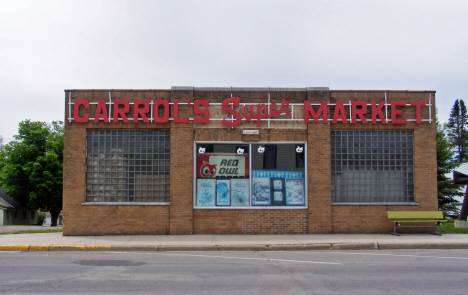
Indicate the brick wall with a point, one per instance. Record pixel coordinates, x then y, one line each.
179 217
373 219
319 159
250 221
79 219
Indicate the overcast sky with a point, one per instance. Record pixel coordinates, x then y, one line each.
49 46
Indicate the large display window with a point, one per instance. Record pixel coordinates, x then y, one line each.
250 175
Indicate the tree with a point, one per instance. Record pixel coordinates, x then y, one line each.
31 167
446 189
457 130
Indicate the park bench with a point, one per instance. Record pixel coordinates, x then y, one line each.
398 217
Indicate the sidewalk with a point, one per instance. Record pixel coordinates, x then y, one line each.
57 242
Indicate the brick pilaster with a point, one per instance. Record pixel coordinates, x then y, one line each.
181 208
319 174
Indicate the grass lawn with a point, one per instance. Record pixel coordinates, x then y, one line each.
449 228
33 231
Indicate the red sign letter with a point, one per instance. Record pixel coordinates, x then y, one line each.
165 105
101 112
140 112
355 112
377 111
235 101
418 105
121 111
339 113
197 110
76 111
396 112
285 107
176 114
321 111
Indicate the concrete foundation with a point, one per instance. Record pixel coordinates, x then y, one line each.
461 224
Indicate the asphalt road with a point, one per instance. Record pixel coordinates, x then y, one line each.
290 272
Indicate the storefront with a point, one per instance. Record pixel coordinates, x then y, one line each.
193 160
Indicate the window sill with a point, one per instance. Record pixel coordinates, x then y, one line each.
125 204
377 204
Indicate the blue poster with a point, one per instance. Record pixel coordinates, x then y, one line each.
206 192
240 192
277 174
295 192
223 192
261 191
278 196
277 184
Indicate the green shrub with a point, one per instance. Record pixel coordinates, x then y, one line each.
40 218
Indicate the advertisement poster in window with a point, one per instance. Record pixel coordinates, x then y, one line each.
222 165
206 192
277 184
261 191
223 192
295 192
240 192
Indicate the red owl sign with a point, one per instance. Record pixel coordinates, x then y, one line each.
222 165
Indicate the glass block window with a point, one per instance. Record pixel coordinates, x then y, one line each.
127 165
372 166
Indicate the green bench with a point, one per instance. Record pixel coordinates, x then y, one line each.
398 217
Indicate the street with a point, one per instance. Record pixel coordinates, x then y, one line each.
236 272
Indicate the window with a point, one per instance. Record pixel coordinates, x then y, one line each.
269 157
127 166
7 215
33 215
372 166
249 175
24 215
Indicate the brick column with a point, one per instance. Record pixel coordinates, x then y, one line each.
74 177
319 168
425 164
181 208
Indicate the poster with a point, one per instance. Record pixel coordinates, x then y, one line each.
240 192
278 191
295 192
261 191
277 184
278 196
223 192
206 192
222 165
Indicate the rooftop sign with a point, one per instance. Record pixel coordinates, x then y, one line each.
235 111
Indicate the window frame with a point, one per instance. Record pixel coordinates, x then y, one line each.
250 207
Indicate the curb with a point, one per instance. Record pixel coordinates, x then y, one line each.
237 247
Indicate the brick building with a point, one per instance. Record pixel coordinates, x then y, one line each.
193 160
